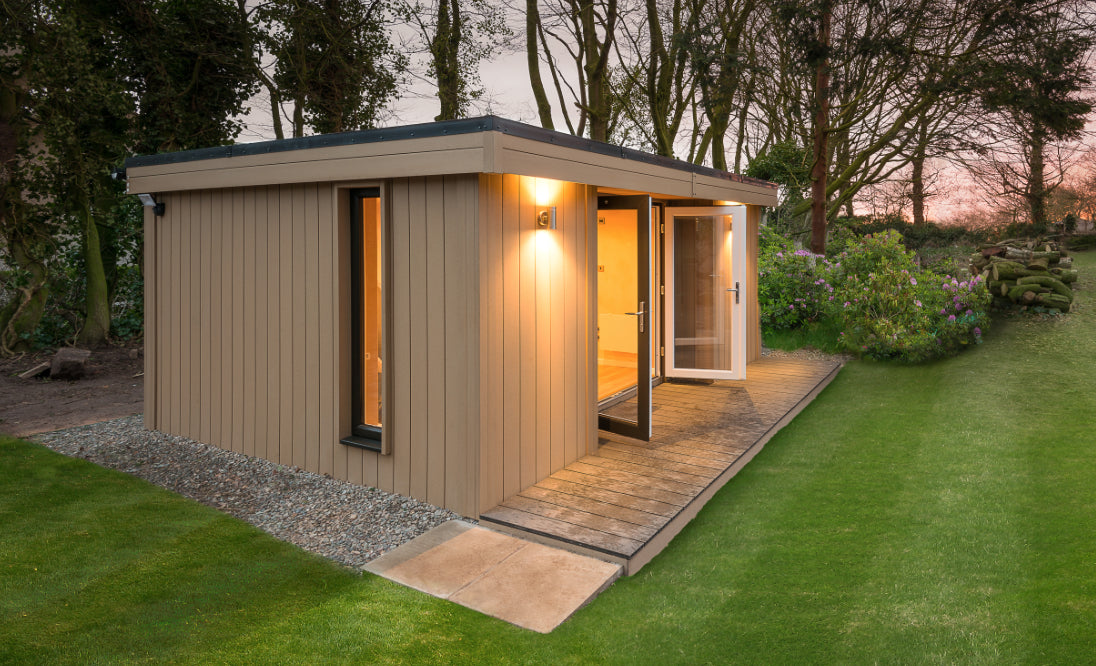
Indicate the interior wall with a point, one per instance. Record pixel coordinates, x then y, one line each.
616 285
538 404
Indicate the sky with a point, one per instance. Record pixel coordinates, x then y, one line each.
508 94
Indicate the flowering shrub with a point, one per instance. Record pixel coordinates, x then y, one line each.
870 254
885 306
891 310
794 286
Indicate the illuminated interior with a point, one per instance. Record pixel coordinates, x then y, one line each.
617 251
702 269
371 310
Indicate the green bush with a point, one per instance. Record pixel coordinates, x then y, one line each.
1085 242
914 236
872 297
794 285
890 309
872 253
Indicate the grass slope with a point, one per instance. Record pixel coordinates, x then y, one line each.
934 514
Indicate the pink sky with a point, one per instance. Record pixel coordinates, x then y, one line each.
509 95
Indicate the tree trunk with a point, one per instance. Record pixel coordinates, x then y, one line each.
719 151
660 70
917 181
96 326
445 49
275 107
21 316
743 117
1036 189
532 59
820 168
298 117
597 65
917 178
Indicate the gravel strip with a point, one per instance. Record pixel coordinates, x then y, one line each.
807 353
348 523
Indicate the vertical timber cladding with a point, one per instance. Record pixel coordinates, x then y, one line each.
432 355
536 407
753 309
244 323
250 307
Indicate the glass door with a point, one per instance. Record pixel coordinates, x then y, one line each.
623 315
705 309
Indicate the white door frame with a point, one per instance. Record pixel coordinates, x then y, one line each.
730 286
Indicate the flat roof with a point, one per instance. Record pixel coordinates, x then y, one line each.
453 146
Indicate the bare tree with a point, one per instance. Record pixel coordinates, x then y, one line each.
583 30
655 86
455 36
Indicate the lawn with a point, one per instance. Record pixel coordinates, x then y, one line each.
943 513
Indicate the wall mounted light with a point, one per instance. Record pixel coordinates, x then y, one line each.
149 201
546 217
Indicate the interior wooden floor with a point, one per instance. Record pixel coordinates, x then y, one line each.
626 502
616 372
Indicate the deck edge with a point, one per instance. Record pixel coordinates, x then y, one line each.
673 527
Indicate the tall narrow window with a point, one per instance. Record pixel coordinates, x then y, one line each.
367 241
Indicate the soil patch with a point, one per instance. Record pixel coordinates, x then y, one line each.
112 388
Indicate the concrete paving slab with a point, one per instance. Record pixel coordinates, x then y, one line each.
449 566
538 587
528 584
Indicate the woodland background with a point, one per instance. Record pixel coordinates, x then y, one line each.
853 106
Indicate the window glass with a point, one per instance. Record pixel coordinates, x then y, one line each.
371 308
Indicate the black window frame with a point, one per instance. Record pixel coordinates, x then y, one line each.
363 435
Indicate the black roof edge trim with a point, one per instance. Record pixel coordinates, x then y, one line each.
436 129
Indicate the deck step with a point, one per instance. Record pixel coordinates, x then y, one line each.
628 500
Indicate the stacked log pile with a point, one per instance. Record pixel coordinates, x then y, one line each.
1026 273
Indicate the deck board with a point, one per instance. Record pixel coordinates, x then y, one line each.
629 498
595 479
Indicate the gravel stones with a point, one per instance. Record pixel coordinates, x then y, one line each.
348 523
807 353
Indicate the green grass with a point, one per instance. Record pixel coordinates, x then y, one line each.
822 335
935 514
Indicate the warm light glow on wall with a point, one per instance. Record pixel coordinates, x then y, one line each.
547 191
548 247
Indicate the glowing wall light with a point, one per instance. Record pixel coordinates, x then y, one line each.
546 217
547 191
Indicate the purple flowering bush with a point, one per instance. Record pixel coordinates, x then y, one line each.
890 309
794 287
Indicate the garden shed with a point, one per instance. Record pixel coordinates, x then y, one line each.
450 311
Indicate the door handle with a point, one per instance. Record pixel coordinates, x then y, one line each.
735 290
642 311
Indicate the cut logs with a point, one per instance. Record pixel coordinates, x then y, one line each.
1030 273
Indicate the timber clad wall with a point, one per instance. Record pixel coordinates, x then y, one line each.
243 301
538 346
753 308
490 372
433 349
248 344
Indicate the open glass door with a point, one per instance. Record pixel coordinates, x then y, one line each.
623 315
705 312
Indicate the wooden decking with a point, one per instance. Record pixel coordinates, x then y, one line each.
626 502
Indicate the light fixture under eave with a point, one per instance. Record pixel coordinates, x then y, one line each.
546 217
149 201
